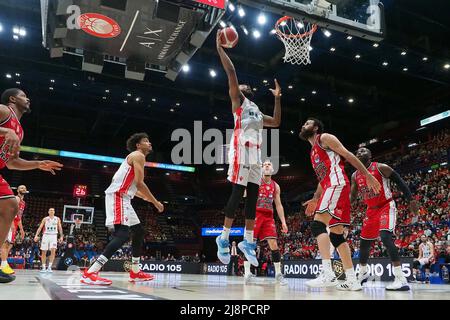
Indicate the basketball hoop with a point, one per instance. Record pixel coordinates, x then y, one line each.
296 36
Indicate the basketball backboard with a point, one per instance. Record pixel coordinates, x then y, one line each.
71 213
359 18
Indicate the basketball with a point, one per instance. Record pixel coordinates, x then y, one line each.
229 37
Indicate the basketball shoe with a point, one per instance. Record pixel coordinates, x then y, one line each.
94 279
8 270
249 251
223 250
140 276
325 279
249 277
5 278
280 279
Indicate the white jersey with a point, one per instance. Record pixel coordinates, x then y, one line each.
248 125
426 249
51 226
123 181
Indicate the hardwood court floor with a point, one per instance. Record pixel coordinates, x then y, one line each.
65 285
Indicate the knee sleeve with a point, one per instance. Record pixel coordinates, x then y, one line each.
233 201
250 203
336 239
317 228
364 250
388 241
137 239
120 236
276 256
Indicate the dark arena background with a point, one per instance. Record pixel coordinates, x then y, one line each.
98 71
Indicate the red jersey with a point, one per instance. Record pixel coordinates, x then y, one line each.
328 166
12 122
265 198
369 197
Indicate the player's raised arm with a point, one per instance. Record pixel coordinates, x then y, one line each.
330 141
233 84
275 120
138 162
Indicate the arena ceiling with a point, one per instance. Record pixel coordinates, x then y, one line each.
81 111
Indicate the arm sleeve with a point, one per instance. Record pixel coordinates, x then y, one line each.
401 184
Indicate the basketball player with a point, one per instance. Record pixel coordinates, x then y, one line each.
425 259
244 157
51 225
126 183
15 104
380 215
330 204
17 224
269 192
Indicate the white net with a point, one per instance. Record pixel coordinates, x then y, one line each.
296 36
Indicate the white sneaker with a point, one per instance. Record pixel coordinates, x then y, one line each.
49 270
249 278
281 280
398 285
349 285
43 270
363 277
325 279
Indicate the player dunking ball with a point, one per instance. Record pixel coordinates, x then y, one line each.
331 202
51 226
244 157
265 229
17 224
15 104
381 215
127 182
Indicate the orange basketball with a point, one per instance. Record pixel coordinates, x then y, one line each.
228 37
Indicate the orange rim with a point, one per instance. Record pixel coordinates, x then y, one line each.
302 35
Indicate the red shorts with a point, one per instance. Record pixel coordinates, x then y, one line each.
378 219
335 200
5 189
264 227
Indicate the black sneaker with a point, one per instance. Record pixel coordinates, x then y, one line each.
5 278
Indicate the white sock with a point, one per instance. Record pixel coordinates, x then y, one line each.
326 263
350 274
98 264
247 267
135 264
4 263
248 235
363 269
277 266
398 273
225 233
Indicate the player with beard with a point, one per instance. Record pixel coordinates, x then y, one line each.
265 229
330 204
381 215
17 224
14 104
244 156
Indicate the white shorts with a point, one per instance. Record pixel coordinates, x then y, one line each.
49 241
245 166
119 211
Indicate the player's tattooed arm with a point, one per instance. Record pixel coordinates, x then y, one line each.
330 141
138 161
